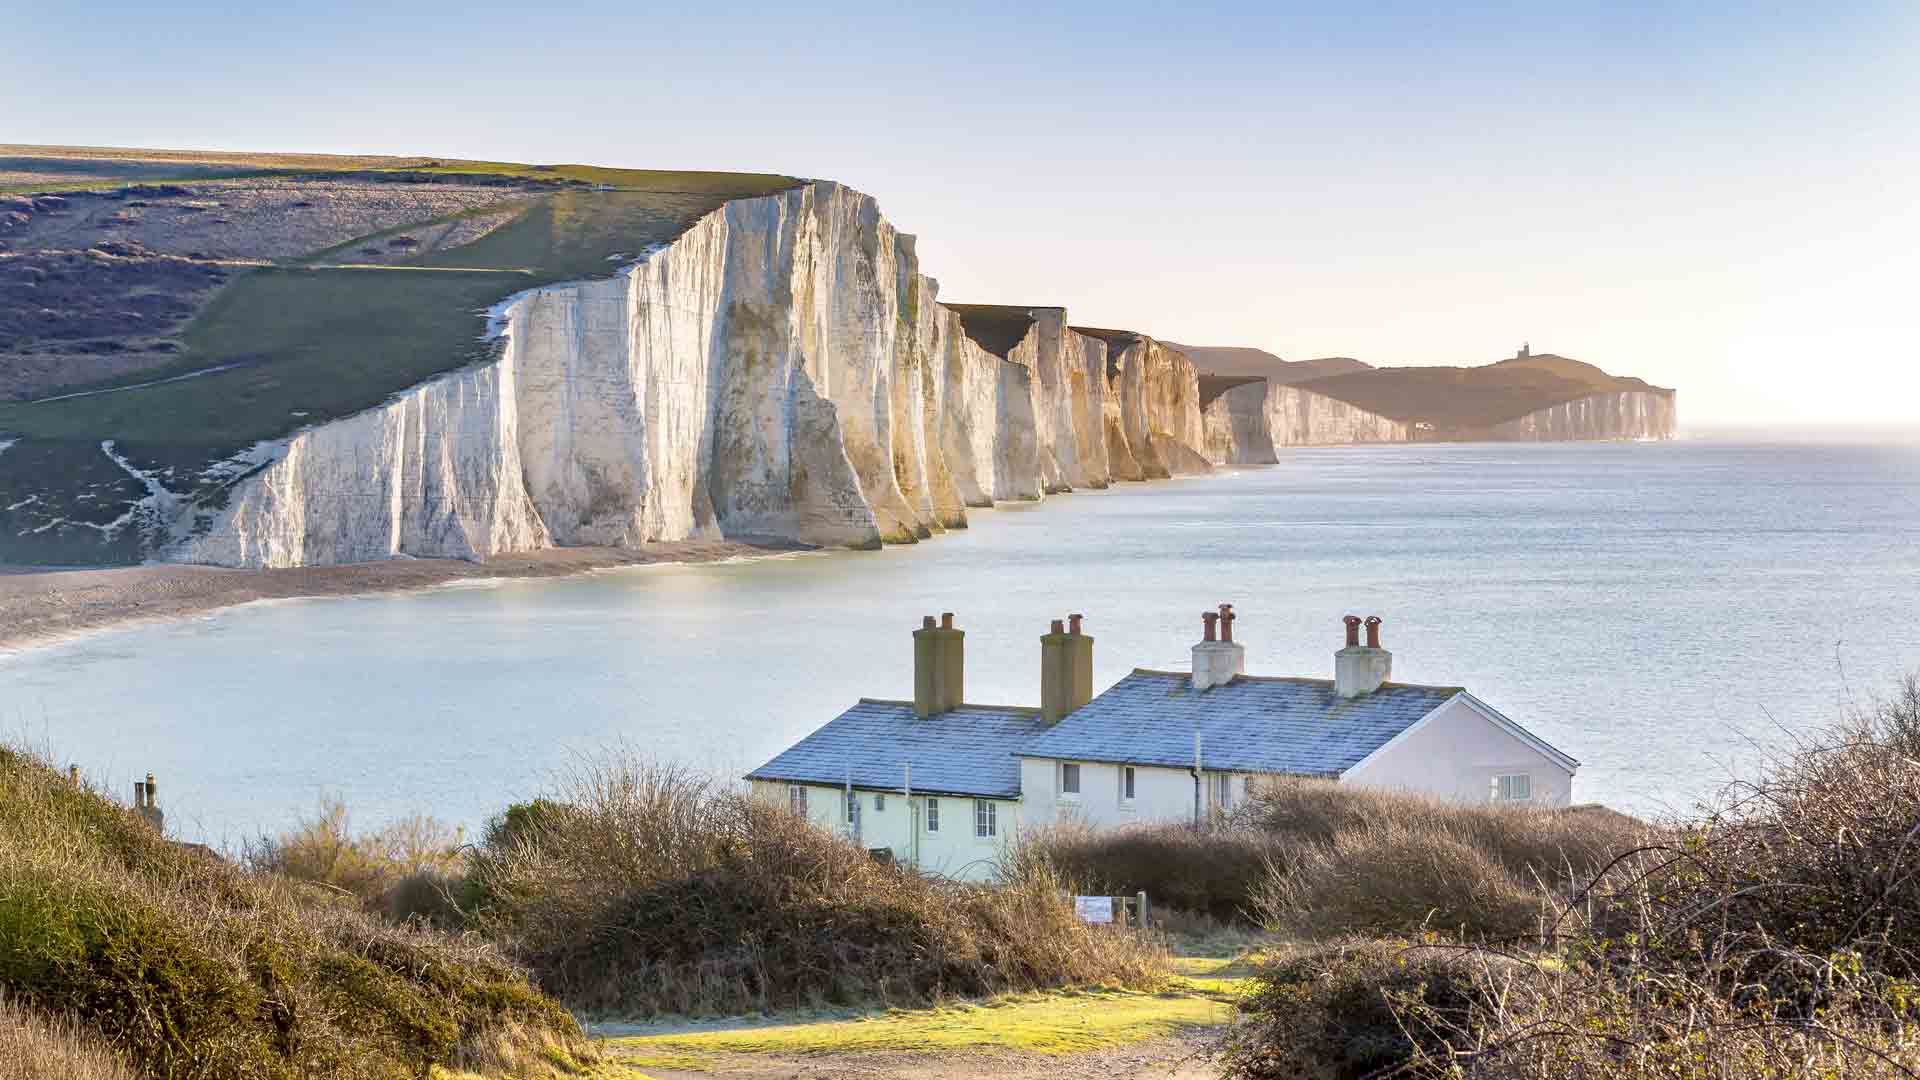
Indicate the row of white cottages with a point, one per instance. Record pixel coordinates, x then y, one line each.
942 785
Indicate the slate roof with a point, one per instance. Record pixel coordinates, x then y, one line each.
1252 724
969 751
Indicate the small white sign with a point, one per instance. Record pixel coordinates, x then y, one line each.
1094 909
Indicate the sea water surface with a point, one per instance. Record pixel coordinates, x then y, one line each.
1663 612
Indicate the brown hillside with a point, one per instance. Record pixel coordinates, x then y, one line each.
1238 360
1472 398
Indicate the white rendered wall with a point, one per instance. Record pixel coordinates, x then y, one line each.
952 851
1456 754
1159 794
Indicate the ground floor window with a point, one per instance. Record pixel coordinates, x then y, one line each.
853 809
797 799
1513 787
986 818
933 815
1069 778
1126 783
1220 790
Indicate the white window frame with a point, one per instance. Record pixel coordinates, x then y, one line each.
1220 791
986 819
1506 784
1071 793
933 815
1129 785
797 799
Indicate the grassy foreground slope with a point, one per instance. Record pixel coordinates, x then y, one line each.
115 941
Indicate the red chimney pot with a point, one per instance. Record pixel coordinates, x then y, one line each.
946 620
1353 631
1210 618
1073 624
1059 626
1373 631
1226 622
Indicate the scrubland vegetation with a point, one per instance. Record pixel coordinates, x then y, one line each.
1778 935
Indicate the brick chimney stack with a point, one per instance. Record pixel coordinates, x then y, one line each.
1217 660
1066 669
939 667
1358 670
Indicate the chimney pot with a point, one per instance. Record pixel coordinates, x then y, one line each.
1226 622
1073 624
946 620
1373 631
926 622
1353 631
1210 618
1059 626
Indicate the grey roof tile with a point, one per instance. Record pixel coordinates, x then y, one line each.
969 751
1251 724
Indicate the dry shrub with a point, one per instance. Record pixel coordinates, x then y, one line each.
202 970
645 889
1554 845
405 869
1213 872
1354 1010
1778 936
1394 878
33 1047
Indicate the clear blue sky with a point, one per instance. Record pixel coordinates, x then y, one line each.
1719 197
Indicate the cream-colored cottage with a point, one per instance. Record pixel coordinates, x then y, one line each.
941 785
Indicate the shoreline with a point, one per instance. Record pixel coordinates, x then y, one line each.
42 606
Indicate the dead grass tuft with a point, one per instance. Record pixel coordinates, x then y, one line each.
33 1047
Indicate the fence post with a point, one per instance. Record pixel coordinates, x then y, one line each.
1145 922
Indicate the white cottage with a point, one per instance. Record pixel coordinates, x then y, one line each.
941 784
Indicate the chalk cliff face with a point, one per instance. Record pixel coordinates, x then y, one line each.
781 370
1625 414
1239 429
1303 418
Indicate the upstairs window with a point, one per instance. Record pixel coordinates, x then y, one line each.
797 799
1126 783
1069 778
986 819
1513 787
933 815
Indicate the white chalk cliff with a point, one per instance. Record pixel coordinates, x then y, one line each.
781 370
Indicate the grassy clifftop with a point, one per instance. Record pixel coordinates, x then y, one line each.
182 306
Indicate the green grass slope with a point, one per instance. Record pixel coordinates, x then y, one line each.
188 967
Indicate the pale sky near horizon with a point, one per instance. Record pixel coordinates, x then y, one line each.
1719 197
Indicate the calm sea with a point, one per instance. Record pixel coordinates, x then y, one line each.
1661 611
